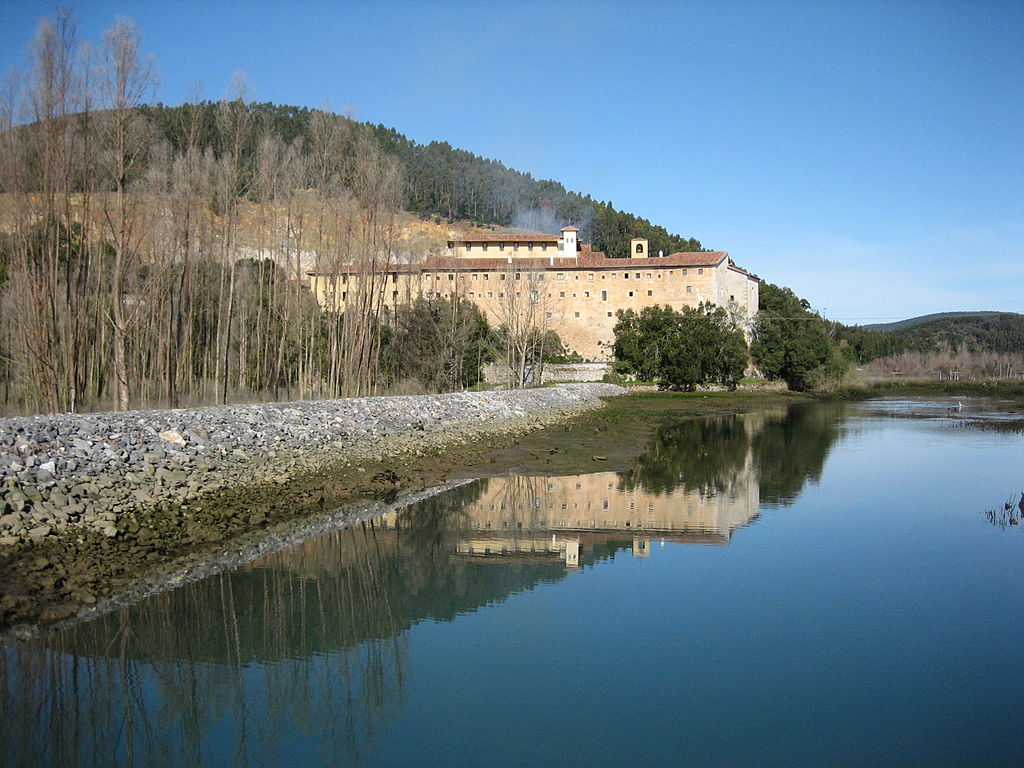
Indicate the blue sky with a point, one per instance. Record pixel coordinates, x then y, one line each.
869 155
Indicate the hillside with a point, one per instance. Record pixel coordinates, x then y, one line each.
442 182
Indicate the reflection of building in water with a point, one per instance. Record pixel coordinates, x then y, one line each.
568 549
598 502
547 517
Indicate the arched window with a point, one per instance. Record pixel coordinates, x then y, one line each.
639 247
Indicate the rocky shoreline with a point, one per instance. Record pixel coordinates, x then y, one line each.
66 471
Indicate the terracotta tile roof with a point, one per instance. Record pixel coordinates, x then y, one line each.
695 258
569 229
506 237
742 271
452 263
585 259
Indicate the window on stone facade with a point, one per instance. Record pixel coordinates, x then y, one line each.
469 246
487 277
648 275
604 295
659 275
561 276
490 294
609 314
501 246
547 315
650 293
684 271
474 276
638 275
631 294
590 276
484 246
561 294
451 277
732 297
689 289
543 246
625 275
586 294
529 246
575 314
501 276
700 271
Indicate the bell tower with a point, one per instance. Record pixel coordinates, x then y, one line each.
638 248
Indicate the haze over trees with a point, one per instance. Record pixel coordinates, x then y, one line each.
442 181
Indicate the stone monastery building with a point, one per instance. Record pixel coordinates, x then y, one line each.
553 282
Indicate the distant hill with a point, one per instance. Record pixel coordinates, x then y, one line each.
975 332
910 322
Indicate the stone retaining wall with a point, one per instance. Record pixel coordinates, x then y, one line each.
497 373
65 470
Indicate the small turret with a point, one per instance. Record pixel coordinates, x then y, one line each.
638 248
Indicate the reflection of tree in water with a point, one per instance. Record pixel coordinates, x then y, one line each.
1008 514
208 673
709 455
702 455
305 645
791 449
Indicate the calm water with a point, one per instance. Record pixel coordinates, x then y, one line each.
820 586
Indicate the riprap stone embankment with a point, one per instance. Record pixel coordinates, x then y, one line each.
67 470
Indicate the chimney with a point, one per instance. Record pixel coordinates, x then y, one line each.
569 244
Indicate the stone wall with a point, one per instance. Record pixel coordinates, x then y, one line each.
64 470
496 373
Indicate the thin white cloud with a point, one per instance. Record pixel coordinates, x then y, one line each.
866 281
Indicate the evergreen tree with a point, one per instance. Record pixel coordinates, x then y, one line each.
790 341
682 349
